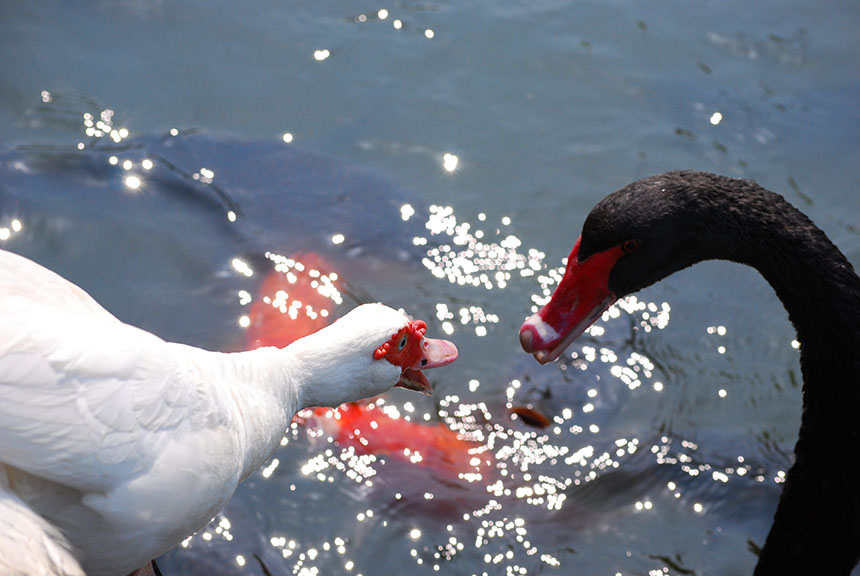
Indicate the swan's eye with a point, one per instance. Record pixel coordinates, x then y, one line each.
631 245
403 342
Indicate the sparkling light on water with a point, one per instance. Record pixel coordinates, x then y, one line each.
469 260
242 267
8 231
133 182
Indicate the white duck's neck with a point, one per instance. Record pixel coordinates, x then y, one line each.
327 368
258 390
265 388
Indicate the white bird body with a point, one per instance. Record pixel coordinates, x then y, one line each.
126 443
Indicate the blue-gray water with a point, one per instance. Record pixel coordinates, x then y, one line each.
666 449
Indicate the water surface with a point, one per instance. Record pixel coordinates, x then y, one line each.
272 131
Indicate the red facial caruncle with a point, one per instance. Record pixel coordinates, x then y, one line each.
404 348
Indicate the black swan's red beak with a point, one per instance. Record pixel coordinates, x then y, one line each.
579 300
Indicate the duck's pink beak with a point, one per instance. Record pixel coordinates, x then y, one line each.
434 353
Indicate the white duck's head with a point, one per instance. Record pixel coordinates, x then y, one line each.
365 353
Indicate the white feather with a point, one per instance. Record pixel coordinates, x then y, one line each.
28 535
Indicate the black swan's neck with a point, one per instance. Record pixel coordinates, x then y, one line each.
816 528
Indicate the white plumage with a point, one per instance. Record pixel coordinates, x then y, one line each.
25 534
115 445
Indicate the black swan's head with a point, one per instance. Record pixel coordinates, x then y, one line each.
634 237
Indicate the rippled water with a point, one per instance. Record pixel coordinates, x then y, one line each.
441 157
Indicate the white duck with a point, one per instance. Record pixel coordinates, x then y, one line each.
119 445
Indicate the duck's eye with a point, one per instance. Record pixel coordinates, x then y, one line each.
631 245
403 342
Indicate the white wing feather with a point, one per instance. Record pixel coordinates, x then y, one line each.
79 388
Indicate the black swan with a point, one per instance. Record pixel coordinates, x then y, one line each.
659 225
